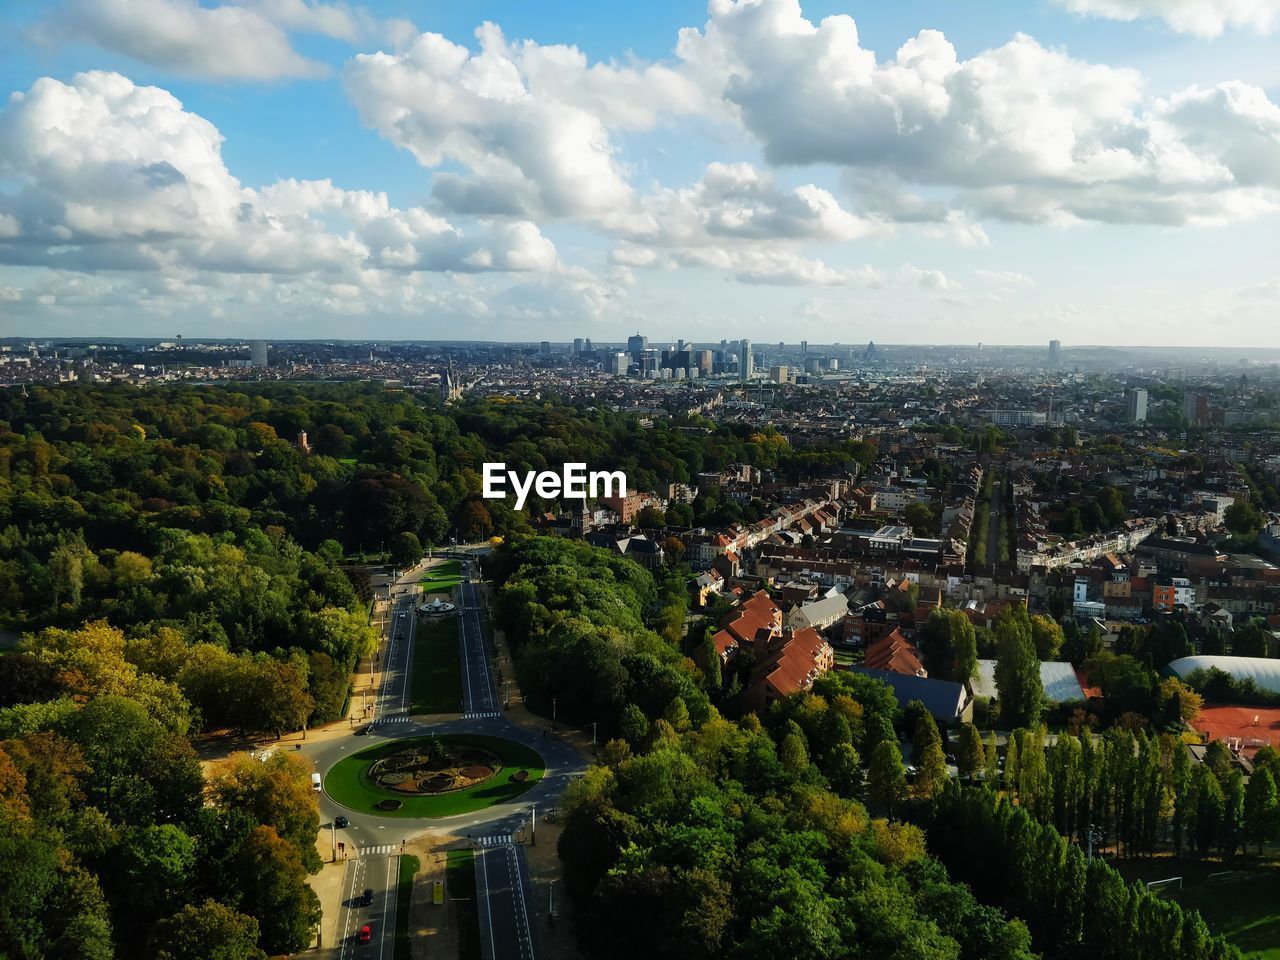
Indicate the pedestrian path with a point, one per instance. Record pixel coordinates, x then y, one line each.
398 718
494 840
379 850
481 715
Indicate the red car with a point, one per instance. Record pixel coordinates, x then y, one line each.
365 934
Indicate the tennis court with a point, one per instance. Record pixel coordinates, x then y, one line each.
1252 726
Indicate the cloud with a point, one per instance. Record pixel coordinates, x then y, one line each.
115 176
243 41
1021 132
1203 18
530 124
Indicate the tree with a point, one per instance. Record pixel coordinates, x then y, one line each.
273 886
794 753
1017 670
278 696
276 792
919 517
1047 635
1250 640
210 931
406 549
930 761
151 875
950 647
1261 808
990 759
969 753
886 776
650 518
1243 519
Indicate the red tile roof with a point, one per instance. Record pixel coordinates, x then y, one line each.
895 653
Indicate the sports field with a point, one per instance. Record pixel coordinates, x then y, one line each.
1252 726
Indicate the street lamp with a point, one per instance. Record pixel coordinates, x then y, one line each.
1094 836
553 713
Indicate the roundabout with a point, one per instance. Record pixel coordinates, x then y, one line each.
433 776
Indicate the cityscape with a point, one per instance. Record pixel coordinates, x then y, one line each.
745 480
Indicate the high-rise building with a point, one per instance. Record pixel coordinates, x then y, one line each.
1136 405
545 347
1195 407
1055 352
618 363
804 348
258 353
746 365
637 345
577 346
703 358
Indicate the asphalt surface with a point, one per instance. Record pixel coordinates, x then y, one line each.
502 891
480 699
379 874
371 844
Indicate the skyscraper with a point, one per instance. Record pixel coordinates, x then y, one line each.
637 345
1136 404
1055 352
258 353
577 345
745 364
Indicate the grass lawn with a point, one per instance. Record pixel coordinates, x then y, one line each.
460 881
436 684
1245 909
404 897
443 577
348 782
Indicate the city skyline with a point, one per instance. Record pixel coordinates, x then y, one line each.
1098 173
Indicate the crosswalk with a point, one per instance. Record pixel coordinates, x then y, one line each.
494 840
379 850
398 718
481 715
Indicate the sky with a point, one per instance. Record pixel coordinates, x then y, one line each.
1092 171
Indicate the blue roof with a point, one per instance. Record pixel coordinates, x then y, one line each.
942 698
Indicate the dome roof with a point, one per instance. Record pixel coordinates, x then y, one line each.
1263 671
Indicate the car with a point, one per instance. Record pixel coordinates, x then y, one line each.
362 731
365 934
341 822
367 898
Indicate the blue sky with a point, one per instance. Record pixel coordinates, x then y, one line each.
1086 170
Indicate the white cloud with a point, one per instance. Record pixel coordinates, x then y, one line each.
530 124
1204 18
247 40
118 176
1022 132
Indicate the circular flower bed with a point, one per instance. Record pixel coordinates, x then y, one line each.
434 767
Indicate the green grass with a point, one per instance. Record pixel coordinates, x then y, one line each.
436 683
404 899
460 882
1244 909
443 577
348 782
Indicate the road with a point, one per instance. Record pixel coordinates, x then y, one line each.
993 523
480 698
380 874
372 843
502 889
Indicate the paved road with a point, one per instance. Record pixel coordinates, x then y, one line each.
380 875
502 889
372 843
480 698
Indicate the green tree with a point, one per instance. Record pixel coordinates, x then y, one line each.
209 931
1243 519
930 761
1017 670
1047 636
406 549
970 758
1261 808
274 890
886 776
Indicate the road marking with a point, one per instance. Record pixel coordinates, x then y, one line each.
495 840
488 905
522 915
481 715
347 936
388 910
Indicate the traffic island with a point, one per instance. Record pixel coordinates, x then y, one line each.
434 776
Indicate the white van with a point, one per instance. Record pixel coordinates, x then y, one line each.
315 782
